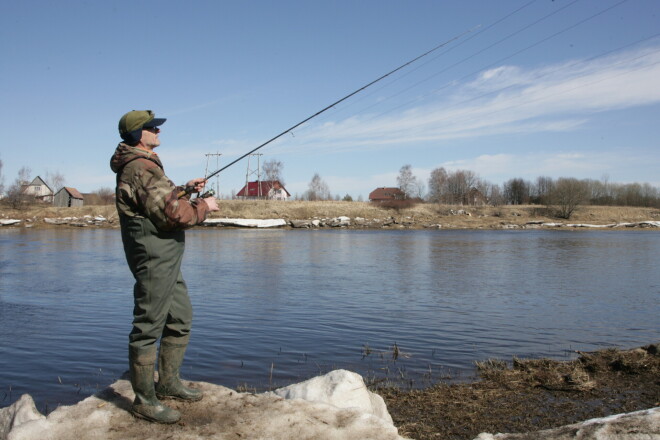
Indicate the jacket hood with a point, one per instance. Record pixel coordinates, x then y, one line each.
126 153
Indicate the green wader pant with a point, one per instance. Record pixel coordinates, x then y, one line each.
162 306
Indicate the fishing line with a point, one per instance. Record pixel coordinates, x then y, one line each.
190 190
543 40
495 23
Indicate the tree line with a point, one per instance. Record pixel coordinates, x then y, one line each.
464 187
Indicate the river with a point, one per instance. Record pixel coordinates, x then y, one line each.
273 307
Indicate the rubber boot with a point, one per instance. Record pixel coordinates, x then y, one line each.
146 405
169 382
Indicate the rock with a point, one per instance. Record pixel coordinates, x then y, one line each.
339 222
639 425
9 222
300 223
221 414
55 221
22 411
316 223
341 388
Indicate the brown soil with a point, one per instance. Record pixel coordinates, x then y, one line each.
530 395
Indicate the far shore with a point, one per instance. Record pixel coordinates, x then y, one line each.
362 215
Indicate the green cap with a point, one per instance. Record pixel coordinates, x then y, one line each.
132 123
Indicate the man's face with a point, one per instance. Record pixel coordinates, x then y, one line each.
150 137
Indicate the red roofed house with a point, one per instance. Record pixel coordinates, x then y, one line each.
68 197
265 189
383 194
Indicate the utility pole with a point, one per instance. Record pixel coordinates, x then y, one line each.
217 177
251 172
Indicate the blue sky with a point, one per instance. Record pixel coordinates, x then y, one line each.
557 88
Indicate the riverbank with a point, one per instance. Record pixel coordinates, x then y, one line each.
531 399
530 395
362 215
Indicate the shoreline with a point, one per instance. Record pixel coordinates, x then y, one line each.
522 398
355 215
527 395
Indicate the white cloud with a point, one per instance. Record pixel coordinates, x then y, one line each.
503 100
594 164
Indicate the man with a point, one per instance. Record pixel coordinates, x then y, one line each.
153 219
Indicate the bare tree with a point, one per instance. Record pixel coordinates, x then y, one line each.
272 170
16 196
2 180
437 185
317 190
459 184
495 196
567 195
408 183
55 181
542 189
102 196
516 191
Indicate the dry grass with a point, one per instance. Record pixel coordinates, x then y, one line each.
530 395
419 215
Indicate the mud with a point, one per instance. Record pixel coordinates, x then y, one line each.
530 395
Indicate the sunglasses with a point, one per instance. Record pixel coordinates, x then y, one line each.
152 129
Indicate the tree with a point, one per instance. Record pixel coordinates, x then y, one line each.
567 195
408 183
55 181
347 198
542 189
437 185
516 191
16 198
459 184
272 170
317 190
102 196
2 180
495 196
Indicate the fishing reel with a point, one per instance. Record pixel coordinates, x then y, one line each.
209 193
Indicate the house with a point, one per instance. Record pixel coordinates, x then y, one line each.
476 198
38 189
264 189
68 197
383 194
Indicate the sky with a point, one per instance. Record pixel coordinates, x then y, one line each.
518 88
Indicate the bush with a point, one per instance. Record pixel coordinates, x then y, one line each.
398 205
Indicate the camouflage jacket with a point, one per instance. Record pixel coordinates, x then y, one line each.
143 190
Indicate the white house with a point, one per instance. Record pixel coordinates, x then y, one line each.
38 189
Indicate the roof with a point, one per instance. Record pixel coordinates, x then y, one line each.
72 192
253 189
384 193
37 181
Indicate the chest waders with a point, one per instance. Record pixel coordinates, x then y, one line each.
162 310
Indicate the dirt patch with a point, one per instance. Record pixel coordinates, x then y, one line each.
530 395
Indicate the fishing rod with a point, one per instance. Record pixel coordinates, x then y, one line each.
190 190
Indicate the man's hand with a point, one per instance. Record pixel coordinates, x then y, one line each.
198 184
212 204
